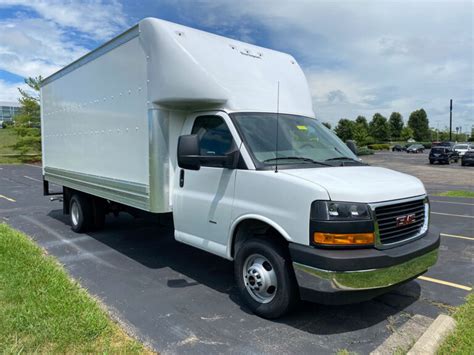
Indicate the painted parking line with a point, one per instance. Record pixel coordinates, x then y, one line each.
456 236
445 283
453 203
34 166
453 215
8 198
31 178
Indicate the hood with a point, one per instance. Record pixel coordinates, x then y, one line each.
361 183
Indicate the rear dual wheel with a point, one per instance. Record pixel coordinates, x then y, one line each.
265 278
86 213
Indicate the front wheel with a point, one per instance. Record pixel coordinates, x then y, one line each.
265 278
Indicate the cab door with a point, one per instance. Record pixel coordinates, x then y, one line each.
202 200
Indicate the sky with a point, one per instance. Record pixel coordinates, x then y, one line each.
360 57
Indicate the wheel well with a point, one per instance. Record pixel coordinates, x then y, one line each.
254 228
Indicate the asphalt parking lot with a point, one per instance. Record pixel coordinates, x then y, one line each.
436 177
179 299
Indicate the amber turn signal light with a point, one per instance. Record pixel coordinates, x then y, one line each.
343 239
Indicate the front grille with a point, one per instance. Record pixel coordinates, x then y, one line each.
387 216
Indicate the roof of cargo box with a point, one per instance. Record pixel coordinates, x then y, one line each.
189 68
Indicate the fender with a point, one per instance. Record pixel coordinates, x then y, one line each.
266 220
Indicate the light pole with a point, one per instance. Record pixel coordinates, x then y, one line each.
450 119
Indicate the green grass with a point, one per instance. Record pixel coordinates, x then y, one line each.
43 311
456 193
462 340
8 137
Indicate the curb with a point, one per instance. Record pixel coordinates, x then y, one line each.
432 338
403 338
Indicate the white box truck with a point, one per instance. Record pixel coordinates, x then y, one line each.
165 118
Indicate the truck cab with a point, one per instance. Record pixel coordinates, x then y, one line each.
297 211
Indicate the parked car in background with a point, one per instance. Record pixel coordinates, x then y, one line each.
416 148
461 149
468 158
398 148
443 155
444 144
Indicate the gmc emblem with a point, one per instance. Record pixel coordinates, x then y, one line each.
405 220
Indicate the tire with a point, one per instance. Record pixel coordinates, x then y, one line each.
260 261
99 210
81 213
431 162
463 163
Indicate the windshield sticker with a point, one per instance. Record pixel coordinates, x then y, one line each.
302 128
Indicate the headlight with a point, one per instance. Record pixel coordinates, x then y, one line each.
341 224
339 211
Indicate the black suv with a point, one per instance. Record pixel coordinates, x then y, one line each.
443 155
468 158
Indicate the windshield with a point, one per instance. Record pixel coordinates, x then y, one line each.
461 146
300 139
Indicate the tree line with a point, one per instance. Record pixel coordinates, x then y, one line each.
380 129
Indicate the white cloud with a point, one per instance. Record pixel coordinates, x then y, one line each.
9 91
361 57
31 47
95 18
44 43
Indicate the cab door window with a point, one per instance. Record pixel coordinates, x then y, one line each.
215 138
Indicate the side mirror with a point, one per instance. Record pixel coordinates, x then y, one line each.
188 152
189 155
352 146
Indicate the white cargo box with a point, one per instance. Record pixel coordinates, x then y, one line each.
111 120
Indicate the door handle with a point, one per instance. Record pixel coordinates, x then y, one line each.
181 178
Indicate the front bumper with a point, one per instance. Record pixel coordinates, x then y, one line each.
360 273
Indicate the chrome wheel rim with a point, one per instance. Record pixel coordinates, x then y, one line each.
260 278
74 214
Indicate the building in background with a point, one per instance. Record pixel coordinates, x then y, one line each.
8 110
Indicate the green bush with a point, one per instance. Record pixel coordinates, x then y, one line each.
379 146
364 151
6 124
427 145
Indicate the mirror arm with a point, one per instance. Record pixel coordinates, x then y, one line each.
229 161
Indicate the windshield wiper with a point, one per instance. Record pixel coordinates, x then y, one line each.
309 160
345 158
